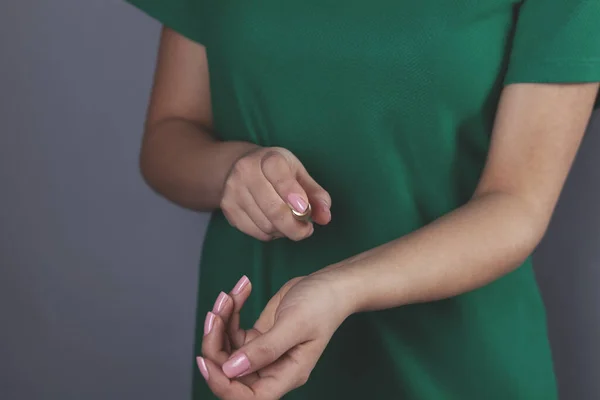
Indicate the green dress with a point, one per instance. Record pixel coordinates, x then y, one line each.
389 104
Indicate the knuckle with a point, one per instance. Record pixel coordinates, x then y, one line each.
295 238
268 227
263 237
243 167
302 378
276 211
224 393
226 209
207 350
228 198
227 204
301 233
230 190
273 161
231 182
229 219
265 352
256 233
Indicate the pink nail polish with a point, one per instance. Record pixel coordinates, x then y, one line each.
236 366
297 202
220 303
208 323
240 285
202 367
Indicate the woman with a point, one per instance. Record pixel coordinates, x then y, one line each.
430 140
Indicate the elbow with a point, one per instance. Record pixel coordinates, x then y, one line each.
149 167
530 231
524 224
148 157
533 235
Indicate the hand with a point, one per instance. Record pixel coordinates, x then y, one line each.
260 189
278 354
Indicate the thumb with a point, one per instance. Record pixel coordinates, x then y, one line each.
318 197
262 351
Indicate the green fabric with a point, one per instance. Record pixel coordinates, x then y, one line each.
390 105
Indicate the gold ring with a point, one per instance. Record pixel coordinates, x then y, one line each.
305 216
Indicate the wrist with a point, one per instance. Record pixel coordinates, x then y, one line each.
239 150
346 287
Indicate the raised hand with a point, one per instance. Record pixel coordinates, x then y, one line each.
261 188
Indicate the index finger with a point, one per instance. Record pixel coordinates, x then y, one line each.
276 169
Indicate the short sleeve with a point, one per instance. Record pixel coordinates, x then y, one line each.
556 41
183 16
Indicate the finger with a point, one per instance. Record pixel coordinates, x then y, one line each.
220 385
289 372
238 218
266 320
249 206
319 198
275 191
276 168
213 342
264 350
239 294
277 211
223 307
235 332
214 345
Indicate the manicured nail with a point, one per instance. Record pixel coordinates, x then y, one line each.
220 303
208 323
240 285
297 202
236 366
202 367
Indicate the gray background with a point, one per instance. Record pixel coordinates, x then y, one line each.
98 275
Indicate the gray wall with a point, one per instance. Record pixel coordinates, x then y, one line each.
98 275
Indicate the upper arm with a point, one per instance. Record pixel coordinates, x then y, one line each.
181 83
551 85
536 135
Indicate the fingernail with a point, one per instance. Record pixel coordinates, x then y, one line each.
297 202
240 285
202 367
220 303
236 366
208 323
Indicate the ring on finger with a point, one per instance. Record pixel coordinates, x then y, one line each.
305 216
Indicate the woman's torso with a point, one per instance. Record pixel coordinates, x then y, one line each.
390 106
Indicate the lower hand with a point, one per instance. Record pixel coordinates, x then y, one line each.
260 189
278 354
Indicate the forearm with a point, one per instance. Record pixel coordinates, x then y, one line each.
185 164
466 249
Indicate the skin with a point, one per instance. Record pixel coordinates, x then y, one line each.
537 132
181 160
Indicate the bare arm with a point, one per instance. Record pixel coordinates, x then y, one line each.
536 136
180 159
